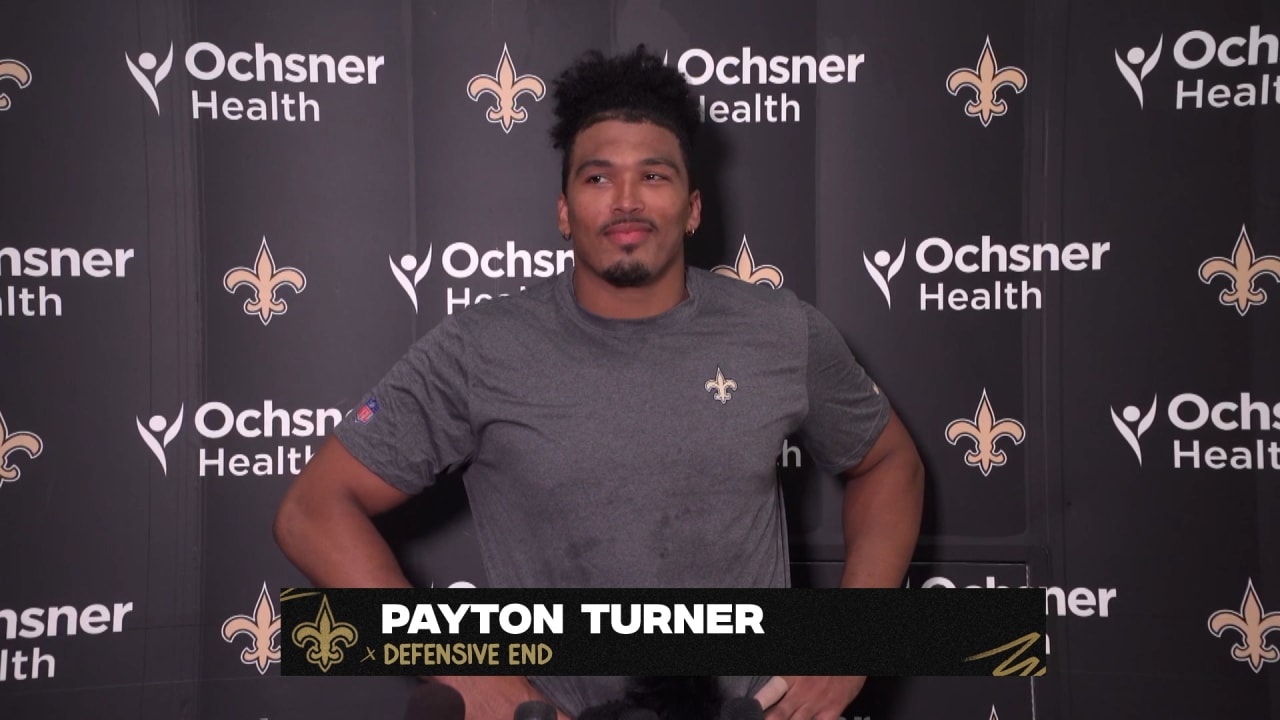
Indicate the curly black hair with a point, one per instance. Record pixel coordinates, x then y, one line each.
634 87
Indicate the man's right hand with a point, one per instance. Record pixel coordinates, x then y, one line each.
495 698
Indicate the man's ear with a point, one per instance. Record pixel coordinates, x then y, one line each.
562 216
695 211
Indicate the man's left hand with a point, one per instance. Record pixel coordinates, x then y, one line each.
815 697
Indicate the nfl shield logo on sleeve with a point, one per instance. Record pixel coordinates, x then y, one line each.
366 411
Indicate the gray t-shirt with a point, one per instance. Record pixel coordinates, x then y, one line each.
622 453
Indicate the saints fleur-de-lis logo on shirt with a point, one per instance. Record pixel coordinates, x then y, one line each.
721 386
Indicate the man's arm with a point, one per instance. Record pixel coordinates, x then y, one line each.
883 503
325 527
325 522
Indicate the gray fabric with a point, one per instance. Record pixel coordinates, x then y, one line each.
597 457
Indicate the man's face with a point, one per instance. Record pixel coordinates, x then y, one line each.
627 204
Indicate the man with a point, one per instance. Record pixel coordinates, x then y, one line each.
619 423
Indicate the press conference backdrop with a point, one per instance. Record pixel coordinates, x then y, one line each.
1049 230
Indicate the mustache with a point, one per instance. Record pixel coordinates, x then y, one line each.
629 219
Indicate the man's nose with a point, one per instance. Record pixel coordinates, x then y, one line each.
626 198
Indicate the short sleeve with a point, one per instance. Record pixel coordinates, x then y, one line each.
414 423
847 410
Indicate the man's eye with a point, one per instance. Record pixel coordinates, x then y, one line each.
595 179
654 176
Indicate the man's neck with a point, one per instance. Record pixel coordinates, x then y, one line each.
598 297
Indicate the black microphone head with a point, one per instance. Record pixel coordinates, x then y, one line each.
435 701
638 714
741 708
535 710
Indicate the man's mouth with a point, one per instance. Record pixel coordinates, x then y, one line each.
629 233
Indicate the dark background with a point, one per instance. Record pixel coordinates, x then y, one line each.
410 164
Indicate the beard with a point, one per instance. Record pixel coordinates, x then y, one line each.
627 273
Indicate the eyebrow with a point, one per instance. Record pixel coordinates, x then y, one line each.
647 162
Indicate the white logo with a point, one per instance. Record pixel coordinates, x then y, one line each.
148 63
1132 414
939 256
1238 58
462 260
223 431
700 67
1132 60
206 62
408 264
883 260
1207 431
155 425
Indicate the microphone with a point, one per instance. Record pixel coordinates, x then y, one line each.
535 710
741 708
435 701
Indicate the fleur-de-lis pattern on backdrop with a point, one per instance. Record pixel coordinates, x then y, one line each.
985 431
262 628
506 87
265 280
745 269
1243 270
15 71
1253 624
10 443
986 81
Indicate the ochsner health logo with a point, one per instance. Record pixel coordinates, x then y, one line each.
1196 53
279 73
1205 429
1006 264
410 264
463 260
1137 65
259 441
1133 424
148 75
152 435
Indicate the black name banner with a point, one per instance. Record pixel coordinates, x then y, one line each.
502 631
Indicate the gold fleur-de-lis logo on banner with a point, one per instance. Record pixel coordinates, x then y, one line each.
721 386
986 80
745 269
10 443
1253 624
985 431
16 71
506 87
262 628
1242 270
324 639
265 279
